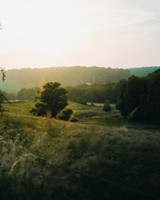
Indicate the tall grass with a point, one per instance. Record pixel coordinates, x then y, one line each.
43 158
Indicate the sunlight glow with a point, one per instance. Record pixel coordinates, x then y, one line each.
65 32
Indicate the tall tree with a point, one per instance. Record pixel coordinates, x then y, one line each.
52 100
140 98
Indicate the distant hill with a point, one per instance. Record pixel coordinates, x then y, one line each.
17 79
143 71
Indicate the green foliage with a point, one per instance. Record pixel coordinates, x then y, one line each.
65 114
52 100
140 97
73 119
97 93
10 96
132 95
41 109
106 106
27 94
79 100
2 97
67 76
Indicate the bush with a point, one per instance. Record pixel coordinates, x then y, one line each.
65 114
106 106
74 119
39 110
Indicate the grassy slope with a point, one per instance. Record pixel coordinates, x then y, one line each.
64 160
94 115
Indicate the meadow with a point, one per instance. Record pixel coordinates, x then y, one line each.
99 157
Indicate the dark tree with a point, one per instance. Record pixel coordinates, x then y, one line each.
132 95
52 100
140 98
106 106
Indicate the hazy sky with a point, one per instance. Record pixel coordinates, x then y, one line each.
111 33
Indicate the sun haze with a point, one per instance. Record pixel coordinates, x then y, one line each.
43 33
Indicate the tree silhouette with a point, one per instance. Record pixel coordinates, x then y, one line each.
52 100
140 98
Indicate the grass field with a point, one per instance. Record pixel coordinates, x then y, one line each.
85 114
99 157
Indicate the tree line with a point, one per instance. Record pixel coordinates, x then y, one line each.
94 93
67 76
139 99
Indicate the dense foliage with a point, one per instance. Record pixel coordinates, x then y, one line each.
52 100
65 114
106 106
140 98
24 94
82 94
97 93
79 99
27 94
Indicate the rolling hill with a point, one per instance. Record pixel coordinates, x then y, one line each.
17 79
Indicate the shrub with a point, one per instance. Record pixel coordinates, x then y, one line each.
39 110
65 114
74 119
106 106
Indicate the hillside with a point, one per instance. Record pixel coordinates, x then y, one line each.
17 79
142 71
44 158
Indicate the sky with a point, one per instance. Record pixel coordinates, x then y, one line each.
107 33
